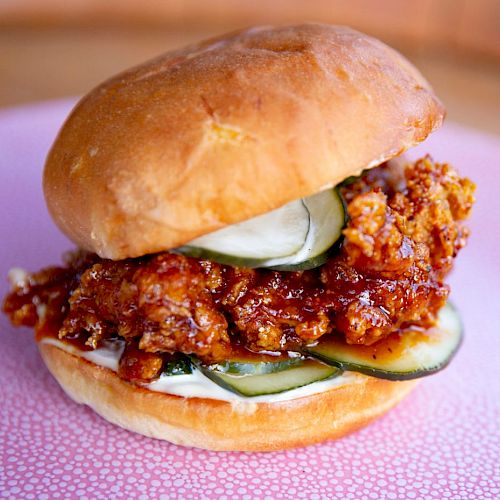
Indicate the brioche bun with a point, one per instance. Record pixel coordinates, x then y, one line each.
227 129
220 425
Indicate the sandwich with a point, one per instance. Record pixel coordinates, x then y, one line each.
257 265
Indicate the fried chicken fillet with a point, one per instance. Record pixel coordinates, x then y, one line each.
405 227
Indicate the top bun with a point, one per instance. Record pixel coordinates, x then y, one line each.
227 129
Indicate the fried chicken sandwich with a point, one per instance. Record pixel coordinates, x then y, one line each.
258 267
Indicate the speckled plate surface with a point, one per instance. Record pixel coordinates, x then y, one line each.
443 441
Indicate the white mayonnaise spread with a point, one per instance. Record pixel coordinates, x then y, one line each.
108 355
18 278
196 384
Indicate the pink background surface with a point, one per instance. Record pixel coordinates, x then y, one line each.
441 442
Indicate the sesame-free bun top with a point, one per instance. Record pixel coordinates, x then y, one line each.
227 129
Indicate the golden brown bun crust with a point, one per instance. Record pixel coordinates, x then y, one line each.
227 129
219 425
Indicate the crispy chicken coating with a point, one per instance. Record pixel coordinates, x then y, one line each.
404 230
163 301
139 366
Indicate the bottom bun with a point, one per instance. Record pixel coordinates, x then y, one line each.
220 425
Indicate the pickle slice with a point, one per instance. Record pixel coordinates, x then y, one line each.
403 356
248 367
278 233
294 237
307 372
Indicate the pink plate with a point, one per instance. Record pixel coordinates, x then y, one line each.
443 441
